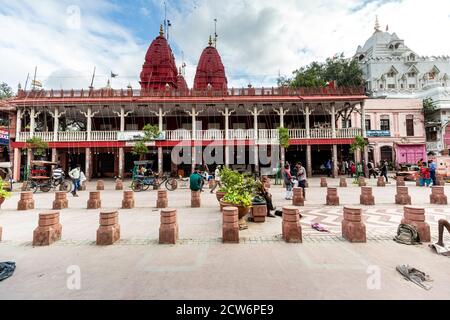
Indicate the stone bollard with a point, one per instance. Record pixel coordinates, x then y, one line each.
323 182
332 197
162 201
343 183
94 201
119 184
438 196
61 201
26 201
83 186
195 199
362 182
128 200
100 185
292 231
366 197
168 231
400 181
440 180
259 212
402 196
49 229
109 230
230 225
353 229
381 182
297 197
416 218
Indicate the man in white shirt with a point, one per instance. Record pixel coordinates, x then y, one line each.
58 173
75 175
216 178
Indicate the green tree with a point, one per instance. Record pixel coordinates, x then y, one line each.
345 72
5 91
283 137
358 144
428 109
150 133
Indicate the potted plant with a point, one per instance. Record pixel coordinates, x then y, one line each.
38 145
4 194
240 195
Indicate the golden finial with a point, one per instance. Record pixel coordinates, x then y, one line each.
161 30
210 41
377 24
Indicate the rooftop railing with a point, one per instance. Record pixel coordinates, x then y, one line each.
233 92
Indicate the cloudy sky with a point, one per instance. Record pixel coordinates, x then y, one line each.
257 39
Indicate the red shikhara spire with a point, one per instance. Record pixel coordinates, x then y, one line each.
159 68
210 70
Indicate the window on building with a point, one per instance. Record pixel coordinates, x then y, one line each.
411 74
412 86
391 86
381 86
391 74
368 124
402 86
384 123
410 125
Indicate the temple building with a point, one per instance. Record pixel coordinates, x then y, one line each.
97 128
392 70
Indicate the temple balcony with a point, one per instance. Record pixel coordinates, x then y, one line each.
264 136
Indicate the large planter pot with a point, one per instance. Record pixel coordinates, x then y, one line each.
242 212
220 195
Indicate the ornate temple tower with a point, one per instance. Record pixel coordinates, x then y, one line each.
159 69
210 70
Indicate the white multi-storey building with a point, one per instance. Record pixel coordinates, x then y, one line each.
392 70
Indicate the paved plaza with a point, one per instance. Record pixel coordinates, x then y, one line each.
199 266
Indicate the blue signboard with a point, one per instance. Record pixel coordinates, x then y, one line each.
378 133
4 137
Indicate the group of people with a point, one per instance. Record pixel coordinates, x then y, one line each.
352 169
294 178
427 173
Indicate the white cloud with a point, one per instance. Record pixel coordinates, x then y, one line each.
257 39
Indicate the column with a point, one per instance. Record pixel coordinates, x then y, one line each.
255 135
160 160
54 155
333 120
308 132
160 119
281 117
227 136
55 125
193 155
18 123
87 167
365 152
308 161
89 123
16 168
335 162
32 121
29 156
122 125
121 163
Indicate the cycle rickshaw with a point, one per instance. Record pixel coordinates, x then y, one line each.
144 177
41 177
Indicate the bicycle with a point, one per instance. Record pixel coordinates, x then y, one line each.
143 183
51 183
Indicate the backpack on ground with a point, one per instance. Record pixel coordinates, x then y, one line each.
407 234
